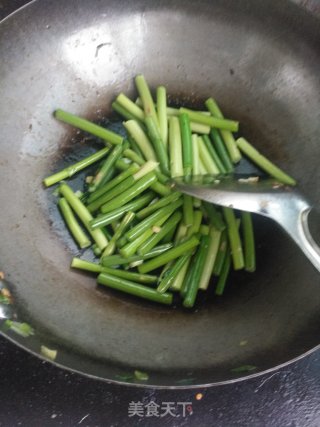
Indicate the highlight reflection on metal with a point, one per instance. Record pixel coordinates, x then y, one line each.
6 308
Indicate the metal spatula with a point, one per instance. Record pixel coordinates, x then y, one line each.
282 203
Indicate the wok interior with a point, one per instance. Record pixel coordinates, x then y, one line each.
261 62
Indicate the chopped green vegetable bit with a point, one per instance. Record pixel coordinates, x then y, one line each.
4 300
23 329
133 288
141 376
89 127
48 352
256 157
136 375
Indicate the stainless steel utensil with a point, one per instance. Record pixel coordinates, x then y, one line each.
266 197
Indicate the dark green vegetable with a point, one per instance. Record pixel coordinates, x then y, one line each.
108 218
234 238
248 242
179 280
133 155
213 122
130 106
146 98
135 147
194 281
106 167
223 275
222 251
118 232
133 288
133 191
168 256
153 240
206 159
186 140
162 113
122 111
158 144
83 214
123 186
152 220
173 272
138 134
195 227
188 210
215 216
214 154
114 260
111 194
227 136
89 127
132 169
134 216
221 150
138 158
169 237
73 225
263 162
164 201
211 256
131 247
161 189
69 171
175 148
98 268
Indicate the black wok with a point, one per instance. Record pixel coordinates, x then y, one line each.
261 61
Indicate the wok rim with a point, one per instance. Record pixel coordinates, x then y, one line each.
157 386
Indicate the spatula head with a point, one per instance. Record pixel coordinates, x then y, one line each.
243 192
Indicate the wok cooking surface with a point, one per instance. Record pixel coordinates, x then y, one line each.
269 80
